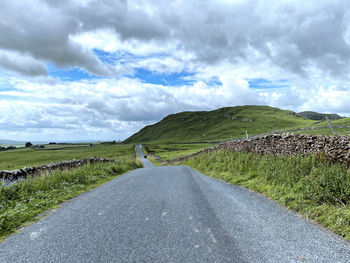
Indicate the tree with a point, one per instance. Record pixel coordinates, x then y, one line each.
28 144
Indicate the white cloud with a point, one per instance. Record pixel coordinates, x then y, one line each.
305 43
114 109
292 35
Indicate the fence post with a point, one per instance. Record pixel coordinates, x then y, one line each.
246 134
134 152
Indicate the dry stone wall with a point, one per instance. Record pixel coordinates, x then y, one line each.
334 148
64 165
286 131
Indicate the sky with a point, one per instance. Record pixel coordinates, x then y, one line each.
74 70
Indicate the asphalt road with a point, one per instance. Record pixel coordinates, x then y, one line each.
172 214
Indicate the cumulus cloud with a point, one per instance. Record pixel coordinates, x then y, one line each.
115 108
220 44
22 64
293 35
43 29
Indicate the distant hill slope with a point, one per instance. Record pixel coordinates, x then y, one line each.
319 116
219 124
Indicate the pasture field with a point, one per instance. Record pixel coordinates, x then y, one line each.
172 151
328 131
344 121
16 159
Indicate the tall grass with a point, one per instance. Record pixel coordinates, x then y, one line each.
23 200
312 186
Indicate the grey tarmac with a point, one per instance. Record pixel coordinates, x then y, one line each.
173 214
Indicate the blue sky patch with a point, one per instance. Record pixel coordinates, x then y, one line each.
172 79
8 97
214 82
72 74
8 88
4 87
109 58
267 84
120 57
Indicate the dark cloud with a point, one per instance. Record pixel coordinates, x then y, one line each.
23 65
292 35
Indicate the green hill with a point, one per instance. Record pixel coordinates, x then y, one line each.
221 124
319 116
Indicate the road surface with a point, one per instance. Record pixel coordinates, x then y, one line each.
172 214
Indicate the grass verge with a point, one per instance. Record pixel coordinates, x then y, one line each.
315 188
23 201
155 161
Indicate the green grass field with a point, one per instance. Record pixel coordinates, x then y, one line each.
311 186
24 200
172 151
344 121
328 131
65 145
16 159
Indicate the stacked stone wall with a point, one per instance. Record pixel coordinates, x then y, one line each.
64 165
333 148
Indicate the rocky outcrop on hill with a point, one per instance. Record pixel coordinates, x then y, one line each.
319 116
333 148
64 165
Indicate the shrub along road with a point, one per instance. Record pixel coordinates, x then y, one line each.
172 214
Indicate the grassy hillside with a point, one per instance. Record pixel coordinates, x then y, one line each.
319 116
219 124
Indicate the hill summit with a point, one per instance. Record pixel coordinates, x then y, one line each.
221 124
